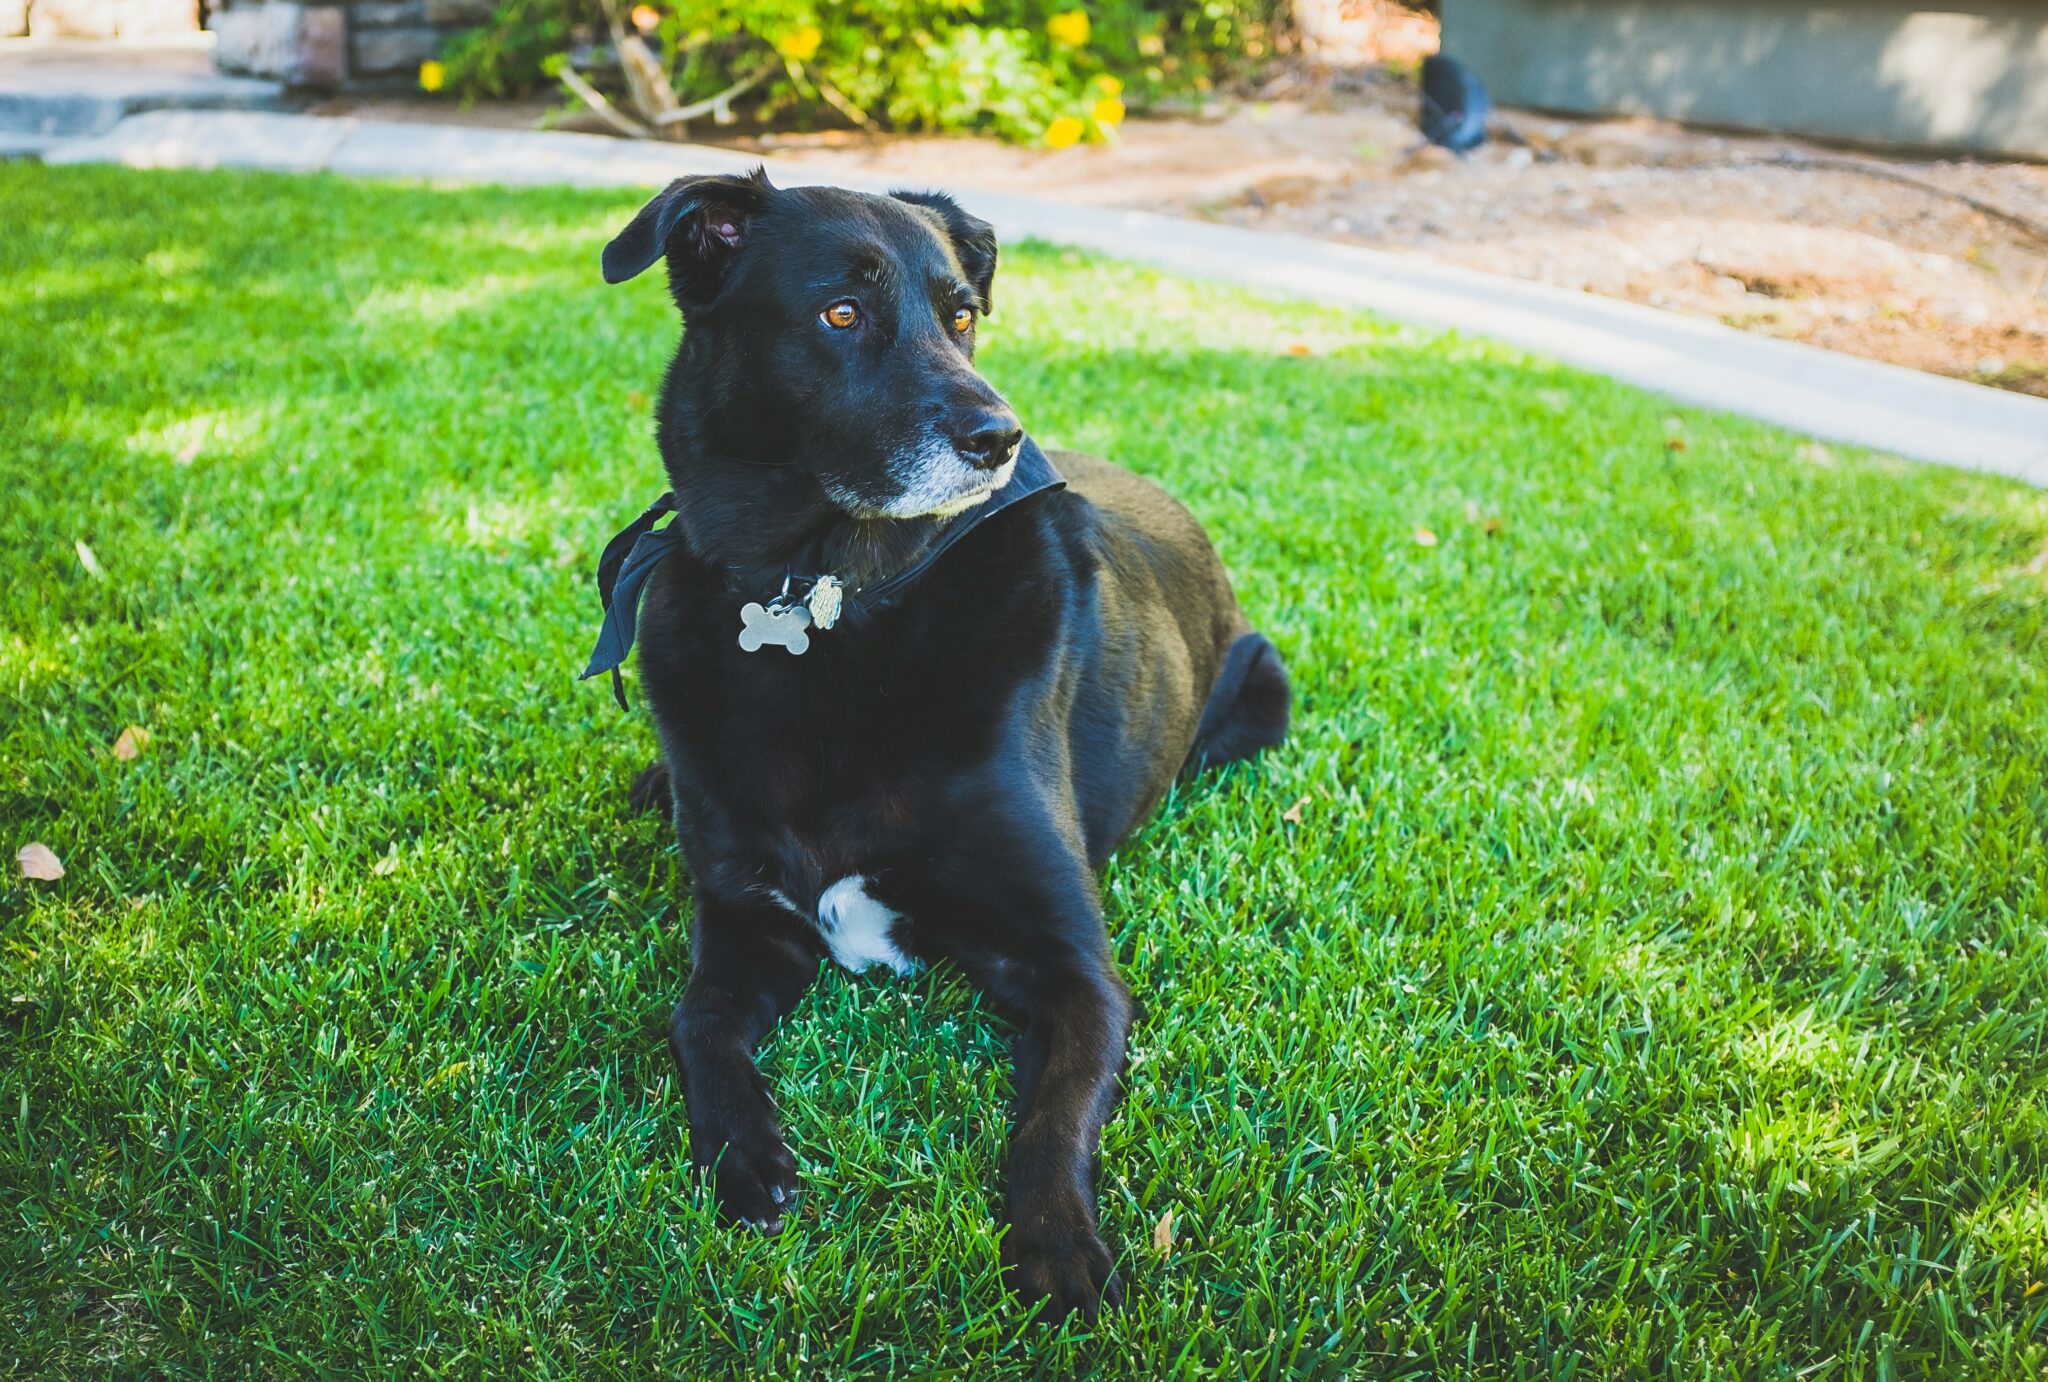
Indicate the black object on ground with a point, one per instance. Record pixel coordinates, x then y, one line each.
1455 106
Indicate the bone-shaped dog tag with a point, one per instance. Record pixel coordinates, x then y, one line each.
784 628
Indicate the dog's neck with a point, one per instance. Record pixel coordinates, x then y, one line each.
757 525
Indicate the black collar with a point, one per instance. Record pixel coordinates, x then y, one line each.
631 556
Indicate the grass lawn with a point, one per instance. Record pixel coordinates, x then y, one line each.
1634 965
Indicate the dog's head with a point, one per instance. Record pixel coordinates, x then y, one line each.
831 331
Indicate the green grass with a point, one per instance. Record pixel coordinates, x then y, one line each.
1652 983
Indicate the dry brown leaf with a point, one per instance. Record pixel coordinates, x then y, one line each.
132 742
1299 348
1675 444
39 861
1490 524
1424 538
635 399
1162 1235
1293 813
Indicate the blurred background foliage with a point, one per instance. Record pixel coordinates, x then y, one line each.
1036 71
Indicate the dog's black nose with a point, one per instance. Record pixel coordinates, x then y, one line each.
985 439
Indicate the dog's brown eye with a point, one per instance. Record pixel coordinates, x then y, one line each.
840 315
963 317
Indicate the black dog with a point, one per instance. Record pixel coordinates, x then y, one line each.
878 752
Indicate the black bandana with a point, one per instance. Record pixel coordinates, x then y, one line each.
631 556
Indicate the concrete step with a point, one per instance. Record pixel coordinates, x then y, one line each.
53 89
15 144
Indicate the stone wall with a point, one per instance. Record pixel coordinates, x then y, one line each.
361 43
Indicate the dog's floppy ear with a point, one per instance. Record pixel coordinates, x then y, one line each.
974 240
700 223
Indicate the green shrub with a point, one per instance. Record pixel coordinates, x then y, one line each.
1047 71
505 56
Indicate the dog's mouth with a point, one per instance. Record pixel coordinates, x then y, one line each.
933 480
991 481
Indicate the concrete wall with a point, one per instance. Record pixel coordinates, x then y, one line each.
1878 72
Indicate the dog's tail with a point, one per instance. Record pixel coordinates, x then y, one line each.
1247 707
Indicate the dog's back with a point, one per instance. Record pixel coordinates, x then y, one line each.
1247 704
1169 641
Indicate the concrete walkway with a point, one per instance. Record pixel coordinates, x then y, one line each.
57 89
1817 392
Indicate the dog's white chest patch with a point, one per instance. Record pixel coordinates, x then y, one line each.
860 930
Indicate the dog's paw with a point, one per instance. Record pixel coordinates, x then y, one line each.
753 1180
650 790
1063 1271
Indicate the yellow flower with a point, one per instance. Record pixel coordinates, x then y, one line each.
1064 133
646 18
1108 112
1069 28
433 76
800 45
1108 85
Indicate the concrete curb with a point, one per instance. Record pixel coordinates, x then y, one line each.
1835 397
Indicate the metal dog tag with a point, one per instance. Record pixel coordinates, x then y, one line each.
825 601
782 627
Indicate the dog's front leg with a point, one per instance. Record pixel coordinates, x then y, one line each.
749 965
1077 1018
